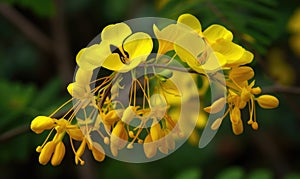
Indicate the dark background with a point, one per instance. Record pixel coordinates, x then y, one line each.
39 41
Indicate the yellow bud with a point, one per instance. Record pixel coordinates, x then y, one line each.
41 123
235 115
254 125
241 74
128 114
256 90
58 154
112 116
76 90
217 106
98 152
150 147
155 130
118 138
238 128
267 101
83 76
47 152
216 124
158 106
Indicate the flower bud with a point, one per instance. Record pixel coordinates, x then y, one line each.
155 130
98 152
58 154
216 124
217 106
128 114
267 101
41 123
150 147
47 152
238 128
256 90
235 115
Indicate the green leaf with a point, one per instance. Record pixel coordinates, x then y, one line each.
261 174
231 173
190 173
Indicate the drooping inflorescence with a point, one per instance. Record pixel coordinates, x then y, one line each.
139 98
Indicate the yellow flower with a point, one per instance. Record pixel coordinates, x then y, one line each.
119 50
220 39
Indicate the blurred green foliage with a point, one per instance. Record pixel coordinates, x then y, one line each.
30 85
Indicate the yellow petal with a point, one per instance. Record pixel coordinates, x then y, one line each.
267 101
246 58
214 62
93 56
190 21
75 134
241 74
168 35
230 50
83 76
139 45
216 32
116 33
189 47
113 62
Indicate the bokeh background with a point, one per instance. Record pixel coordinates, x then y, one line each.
39 41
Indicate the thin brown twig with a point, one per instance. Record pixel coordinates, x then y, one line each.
28 28
277 88
14 132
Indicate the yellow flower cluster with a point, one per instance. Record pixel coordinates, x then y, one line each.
294 29
144 110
